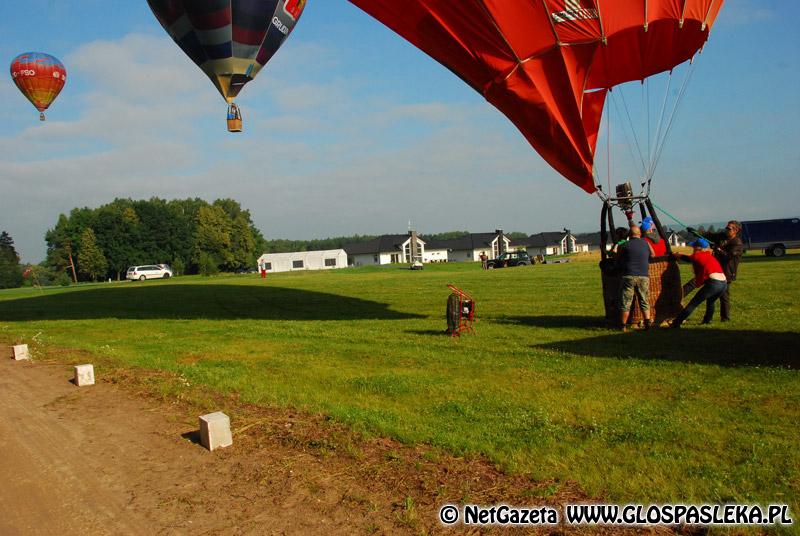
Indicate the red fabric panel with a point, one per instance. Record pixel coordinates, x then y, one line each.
699 9
712 16
246 36
525 26
211 20
635 54
664 9
592 113
619 15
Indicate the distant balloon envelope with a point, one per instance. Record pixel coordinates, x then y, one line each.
230 40
40 77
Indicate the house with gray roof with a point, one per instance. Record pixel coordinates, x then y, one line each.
553 243
470 247
389 249
386 249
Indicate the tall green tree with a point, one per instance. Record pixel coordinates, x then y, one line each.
10 269
243 241
116 227
213 237
91 261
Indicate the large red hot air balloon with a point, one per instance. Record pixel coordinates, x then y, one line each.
40 77
548 64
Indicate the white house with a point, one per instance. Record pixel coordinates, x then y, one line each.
553 243
471 246
387 249
676 239
303 260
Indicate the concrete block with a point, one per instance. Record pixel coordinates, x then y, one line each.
215 431
21 352
84 375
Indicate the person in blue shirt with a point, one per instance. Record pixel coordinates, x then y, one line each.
634 263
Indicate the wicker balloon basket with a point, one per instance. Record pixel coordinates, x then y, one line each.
665 298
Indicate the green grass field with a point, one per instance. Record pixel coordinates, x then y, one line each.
704 414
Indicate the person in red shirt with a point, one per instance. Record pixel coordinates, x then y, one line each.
708 276
658 244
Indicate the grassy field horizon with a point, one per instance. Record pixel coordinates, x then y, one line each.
543 388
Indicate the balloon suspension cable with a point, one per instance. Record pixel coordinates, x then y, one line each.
671 121
656 141
676 220
651 170
626 126
608 149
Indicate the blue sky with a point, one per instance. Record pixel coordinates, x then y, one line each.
352 130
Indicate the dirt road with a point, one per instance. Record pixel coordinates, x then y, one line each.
114 458
97 460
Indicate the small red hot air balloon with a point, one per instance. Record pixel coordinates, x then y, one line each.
40 77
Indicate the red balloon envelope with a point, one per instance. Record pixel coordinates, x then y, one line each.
548 64
40 77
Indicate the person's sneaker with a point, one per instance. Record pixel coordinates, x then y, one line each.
647 325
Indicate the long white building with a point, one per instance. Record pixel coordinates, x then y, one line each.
303 260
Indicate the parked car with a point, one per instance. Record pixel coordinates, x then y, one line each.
509 258
150 271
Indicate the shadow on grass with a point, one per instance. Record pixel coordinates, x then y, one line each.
564 321
730 348
213 302
430 332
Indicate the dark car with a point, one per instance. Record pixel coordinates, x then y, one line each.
509 258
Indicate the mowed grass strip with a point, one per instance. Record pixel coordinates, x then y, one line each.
707 413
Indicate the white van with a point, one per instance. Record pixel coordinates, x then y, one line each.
151 271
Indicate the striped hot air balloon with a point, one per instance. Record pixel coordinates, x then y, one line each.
230 40
40 77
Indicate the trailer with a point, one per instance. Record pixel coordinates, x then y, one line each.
772 236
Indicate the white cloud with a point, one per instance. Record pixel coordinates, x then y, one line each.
137 68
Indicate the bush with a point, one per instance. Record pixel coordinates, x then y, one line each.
207 265
178 266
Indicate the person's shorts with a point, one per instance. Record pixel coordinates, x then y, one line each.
638 284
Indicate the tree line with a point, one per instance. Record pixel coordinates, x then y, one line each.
191 235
